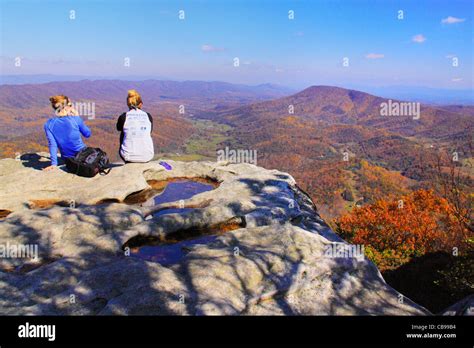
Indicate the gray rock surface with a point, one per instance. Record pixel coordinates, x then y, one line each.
463 307
277 264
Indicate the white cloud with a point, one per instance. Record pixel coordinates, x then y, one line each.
211 48
456 79
450 56
420 38
452 20
374 56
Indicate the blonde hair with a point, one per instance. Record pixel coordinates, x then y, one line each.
134 100
62 106
59 102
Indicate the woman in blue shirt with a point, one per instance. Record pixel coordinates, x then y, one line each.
64 131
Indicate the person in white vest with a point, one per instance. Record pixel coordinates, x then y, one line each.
136 144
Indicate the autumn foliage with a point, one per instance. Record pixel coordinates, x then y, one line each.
395 231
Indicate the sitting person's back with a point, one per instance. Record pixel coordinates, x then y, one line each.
64 131
136 144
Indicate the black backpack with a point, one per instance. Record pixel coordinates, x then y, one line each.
89 162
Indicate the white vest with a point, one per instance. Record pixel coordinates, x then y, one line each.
137 144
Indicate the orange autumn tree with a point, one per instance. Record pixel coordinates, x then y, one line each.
394 231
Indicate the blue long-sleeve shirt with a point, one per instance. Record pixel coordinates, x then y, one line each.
64 133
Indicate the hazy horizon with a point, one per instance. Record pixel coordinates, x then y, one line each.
424 94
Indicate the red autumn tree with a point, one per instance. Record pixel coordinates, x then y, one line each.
394 231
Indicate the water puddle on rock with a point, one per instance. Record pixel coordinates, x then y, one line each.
178 190
169 254
170 190
172 249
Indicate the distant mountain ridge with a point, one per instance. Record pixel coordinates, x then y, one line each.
427 95
335 105
29 95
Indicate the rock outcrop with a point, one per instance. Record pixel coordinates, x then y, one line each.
275 263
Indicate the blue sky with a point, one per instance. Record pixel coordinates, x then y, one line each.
383 50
